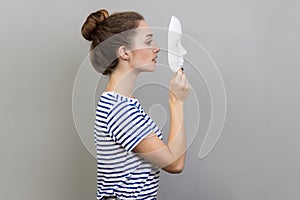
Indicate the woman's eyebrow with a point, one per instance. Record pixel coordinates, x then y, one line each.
149 35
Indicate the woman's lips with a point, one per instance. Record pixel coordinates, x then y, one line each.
154 59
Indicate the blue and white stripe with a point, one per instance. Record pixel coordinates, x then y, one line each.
120 124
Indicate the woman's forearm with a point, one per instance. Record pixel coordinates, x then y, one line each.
177 139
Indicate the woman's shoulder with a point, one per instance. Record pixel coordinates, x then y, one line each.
117 97
113 100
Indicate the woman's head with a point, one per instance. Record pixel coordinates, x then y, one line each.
106 32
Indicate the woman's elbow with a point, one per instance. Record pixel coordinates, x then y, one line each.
179 169
175 169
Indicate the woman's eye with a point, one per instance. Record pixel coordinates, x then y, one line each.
149 42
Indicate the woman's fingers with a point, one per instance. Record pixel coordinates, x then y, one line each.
174 77
179 86
178 76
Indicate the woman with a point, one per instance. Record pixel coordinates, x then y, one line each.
130 149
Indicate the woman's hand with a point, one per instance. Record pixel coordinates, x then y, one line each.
179 87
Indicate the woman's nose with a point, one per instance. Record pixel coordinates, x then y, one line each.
156 48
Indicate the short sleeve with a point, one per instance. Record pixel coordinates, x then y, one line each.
127 125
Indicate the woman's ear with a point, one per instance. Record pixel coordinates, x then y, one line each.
123 53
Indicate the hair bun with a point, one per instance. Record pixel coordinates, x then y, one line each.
92 22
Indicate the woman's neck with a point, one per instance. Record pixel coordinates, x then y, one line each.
122 82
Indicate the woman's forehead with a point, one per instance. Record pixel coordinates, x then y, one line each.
143 24
144 29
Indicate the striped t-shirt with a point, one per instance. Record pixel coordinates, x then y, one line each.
120 124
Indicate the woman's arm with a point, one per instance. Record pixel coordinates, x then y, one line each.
171 156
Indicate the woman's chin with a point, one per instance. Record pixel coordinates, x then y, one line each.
148 67
152 67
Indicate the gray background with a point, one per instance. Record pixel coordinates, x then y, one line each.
256 47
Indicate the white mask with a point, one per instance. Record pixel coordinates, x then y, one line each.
175 49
